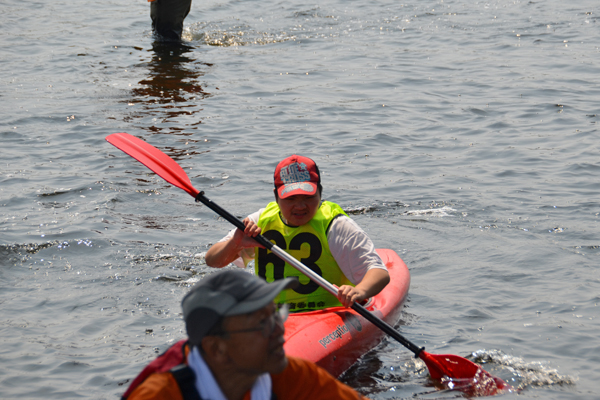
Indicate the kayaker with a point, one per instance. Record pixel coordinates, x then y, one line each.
168 16
319 234
235 349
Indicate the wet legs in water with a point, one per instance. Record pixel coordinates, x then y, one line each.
167 17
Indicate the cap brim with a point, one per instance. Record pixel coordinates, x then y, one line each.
298 188
262 297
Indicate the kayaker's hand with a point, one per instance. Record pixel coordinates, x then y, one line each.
244 239
347 295
224 253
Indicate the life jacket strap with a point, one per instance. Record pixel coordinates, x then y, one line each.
186 380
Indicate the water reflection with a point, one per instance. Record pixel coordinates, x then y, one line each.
173 74
171 93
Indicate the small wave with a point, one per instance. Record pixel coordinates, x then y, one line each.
55 192
22 252
386 206
359 210
525 374
235 35
400 209
30 248
191 281
435 212
145 258
594 248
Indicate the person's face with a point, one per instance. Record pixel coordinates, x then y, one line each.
300 209
255 341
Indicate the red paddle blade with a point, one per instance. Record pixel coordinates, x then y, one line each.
458 373
163 165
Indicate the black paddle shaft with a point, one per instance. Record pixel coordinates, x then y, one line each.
384 326
235 221
387 328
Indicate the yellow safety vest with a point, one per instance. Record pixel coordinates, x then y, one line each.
308 244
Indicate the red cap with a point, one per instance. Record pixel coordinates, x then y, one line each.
296 175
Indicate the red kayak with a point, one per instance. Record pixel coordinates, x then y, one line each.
335 338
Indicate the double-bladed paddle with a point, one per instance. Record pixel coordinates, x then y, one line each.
457 372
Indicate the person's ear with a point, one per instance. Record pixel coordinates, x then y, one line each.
276 196
214 347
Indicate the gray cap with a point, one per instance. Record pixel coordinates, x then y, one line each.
227 293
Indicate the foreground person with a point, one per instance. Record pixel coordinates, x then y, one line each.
235 349
168 16
319 234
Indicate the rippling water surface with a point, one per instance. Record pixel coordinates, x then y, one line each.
463 135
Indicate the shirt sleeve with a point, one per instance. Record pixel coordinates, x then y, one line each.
352 249
246 255
304 380
157 387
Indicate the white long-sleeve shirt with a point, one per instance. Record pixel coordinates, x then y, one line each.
350 246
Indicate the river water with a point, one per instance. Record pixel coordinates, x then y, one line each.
463 135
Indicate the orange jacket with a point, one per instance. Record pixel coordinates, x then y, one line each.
301 380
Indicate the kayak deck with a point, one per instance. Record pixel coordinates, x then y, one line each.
335 338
